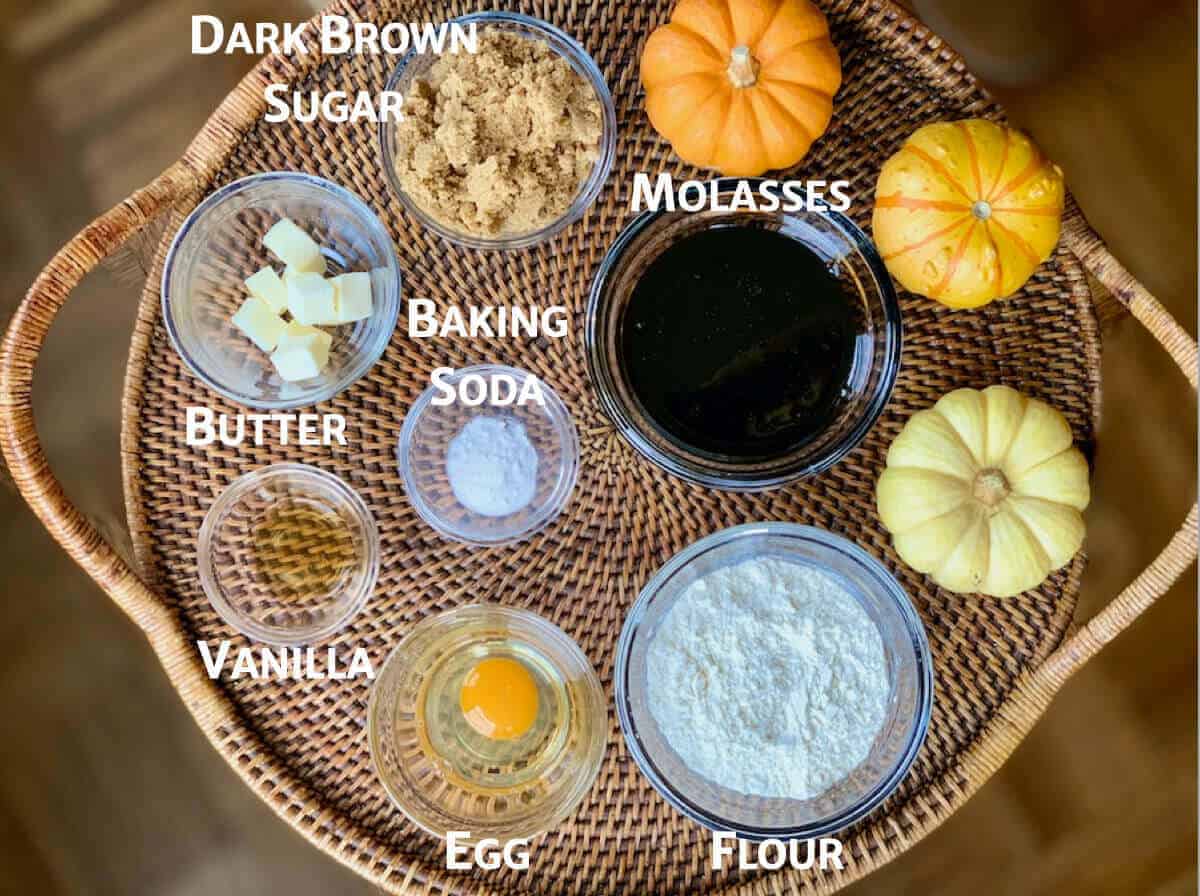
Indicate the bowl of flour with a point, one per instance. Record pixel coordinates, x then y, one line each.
489 455
775 681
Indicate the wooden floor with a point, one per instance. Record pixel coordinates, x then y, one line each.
106 786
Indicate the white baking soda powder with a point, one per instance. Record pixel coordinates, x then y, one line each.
492 466
769 678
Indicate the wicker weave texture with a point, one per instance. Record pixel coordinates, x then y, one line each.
627 518
302 745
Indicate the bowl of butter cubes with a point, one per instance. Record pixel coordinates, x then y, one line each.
280 290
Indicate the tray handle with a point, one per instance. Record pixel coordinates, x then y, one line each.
1180 552
22 449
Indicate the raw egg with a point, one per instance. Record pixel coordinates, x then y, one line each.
499 698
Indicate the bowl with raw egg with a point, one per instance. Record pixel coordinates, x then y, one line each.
487 719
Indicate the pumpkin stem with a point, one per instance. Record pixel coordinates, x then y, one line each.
990 487
743 67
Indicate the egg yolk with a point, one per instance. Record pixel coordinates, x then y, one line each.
499 698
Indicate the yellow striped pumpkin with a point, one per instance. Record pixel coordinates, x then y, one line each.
965 212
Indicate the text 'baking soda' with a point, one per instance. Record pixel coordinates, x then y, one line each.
497 389
486 321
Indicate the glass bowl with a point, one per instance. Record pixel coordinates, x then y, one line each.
847 252
424 785
288 554
220 244
425 440
910 669
415 66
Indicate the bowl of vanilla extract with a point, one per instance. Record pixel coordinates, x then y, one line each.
743 350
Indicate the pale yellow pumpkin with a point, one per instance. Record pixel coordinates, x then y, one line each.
965 212
742 86
984 492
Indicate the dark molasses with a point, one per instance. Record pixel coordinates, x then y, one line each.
739 342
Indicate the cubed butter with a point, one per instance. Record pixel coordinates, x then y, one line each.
311 299
262 325
297 334
295 247
353 300
296 362
269 287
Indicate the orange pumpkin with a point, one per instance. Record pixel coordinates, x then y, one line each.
742 86
965 212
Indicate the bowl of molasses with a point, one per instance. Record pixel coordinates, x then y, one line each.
743 349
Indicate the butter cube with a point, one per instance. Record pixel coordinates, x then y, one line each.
301 335
268 286
303 352
296 362
311 298
262 325
295 247
353 297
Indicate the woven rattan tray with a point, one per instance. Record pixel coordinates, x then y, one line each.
302 746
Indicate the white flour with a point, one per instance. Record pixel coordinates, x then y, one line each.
492 466
769 678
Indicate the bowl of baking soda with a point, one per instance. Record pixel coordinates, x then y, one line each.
489 454
773 680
